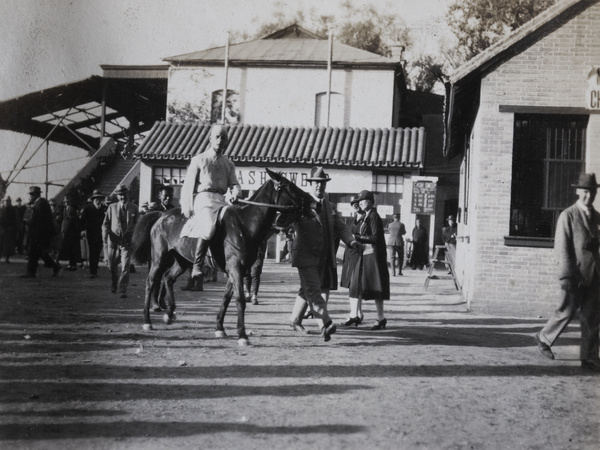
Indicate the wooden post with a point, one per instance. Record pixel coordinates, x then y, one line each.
329 70
226 74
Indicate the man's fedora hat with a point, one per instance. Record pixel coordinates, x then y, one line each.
97 194
121 190
450 218
586 181
35 190
354 200
366 195
318 174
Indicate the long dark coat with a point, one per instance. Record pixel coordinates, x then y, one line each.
420 252
314 244
374 278
350 264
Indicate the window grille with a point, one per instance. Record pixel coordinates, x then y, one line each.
548 155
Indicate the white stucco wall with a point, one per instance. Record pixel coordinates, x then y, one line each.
286 96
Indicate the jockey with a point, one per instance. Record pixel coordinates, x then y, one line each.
209 176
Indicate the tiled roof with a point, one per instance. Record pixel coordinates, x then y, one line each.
274 51
381 147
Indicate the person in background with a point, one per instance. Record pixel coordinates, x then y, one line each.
395 243
70 248
40 231
8 229
20 208
90 223
351 267
577 248
57 215
449 232
314 255
117 230
165 198
420 252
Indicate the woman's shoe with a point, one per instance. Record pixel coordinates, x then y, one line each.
379 325
360 318
351 321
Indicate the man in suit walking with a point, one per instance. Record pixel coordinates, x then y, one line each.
91 220
117 230
40 231
396 243
577 243
314 255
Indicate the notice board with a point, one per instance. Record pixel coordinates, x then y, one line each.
423 197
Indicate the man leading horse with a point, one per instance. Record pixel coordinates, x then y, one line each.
209 176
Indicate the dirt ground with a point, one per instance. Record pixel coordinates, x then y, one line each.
77 371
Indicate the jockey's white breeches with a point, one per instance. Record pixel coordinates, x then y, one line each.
206 211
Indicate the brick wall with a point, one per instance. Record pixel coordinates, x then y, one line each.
552 72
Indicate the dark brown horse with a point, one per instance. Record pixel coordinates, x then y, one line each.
234 246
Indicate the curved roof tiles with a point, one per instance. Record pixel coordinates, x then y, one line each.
387 147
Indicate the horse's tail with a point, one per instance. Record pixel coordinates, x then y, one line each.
141 243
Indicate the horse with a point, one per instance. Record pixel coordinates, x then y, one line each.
234 247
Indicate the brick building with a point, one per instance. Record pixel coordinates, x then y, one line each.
523 119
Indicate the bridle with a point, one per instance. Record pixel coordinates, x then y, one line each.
299 207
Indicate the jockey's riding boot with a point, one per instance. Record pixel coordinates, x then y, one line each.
201 249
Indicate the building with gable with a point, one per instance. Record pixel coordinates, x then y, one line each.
523 119
276 109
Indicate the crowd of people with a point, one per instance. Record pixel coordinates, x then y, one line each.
51 233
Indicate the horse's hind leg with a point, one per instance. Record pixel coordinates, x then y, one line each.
220 333
168 280
152 283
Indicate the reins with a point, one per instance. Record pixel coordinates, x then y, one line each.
269 205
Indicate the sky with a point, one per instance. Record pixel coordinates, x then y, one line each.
46 43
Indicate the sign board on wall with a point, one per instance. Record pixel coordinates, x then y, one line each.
342 181
423 197
593 90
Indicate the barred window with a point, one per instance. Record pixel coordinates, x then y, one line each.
548 155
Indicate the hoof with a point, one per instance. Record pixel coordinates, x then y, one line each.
243 342
220 334
147 327
168 320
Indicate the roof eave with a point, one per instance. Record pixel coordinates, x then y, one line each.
521 38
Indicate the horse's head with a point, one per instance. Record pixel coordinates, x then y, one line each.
293 201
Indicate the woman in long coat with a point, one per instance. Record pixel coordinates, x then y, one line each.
420 251
373 282
351 266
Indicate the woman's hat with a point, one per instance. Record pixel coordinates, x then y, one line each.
97 194
121 190
365 195
586 181
318 174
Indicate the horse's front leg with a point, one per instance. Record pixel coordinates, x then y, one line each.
237 281
168 280
220 333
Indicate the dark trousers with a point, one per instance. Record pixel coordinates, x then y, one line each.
35 253
586 302
397 257
95 249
